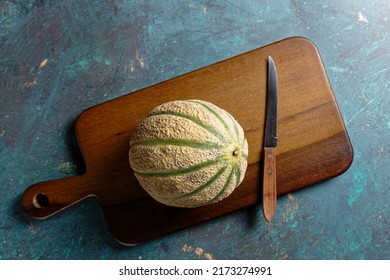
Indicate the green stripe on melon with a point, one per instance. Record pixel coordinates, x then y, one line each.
189 153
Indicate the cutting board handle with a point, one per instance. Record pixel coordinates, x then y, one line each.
44 199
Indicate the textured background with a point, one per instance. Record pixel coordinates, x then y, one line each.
58 58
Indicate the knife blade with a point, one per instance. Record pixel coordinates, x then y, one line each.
270 143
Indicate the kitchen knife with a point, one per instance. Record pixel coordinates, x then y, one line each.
270 143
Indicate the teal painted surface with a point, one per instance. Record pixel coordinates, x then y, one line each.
58 58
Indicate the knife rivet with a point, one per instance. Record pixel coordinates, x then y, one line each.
269 155
269 170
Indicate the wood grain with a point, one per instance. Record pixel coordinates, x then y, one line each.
313 143
269 183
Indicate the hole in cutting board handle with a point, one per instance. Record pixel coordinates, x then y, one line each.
41 200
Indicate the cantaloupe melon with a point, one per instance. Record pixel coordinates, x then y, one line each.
189 153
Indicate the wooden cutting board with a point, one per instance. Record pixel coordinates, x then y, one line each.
313 143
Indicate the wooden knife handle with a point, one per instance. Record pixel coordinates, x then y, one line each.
269 183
